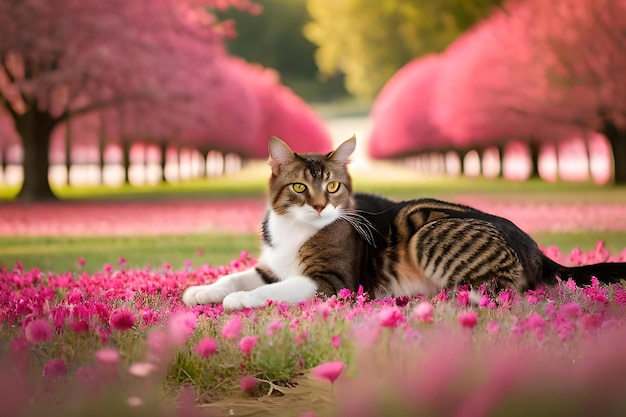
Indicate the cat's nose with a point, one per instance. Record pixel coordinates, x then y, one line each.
318 207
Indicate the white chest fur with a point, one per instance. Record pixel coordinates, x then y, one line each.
288 235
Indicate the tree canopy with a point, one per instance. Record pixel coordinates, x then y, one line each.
535 71
369 41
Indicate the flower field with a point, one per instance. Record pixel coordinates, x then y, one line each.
120 342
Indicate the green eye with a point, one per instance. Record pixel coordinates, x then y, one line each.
332 187
298 187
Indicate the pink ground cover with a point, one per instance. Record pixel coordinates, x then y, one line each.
245 215
70 218
554 348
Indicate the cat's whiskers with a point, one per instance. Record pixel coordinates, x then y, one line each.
360 224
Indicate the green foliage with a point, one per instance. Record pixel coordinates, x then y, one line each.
369 41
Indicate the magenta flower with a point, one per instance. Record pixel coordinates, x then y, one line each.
80 262
391 317
122 319
536 323
248 384
232 328
571 310
247 344
206 347
424 312
345 293
468 319
329 371
55 368
38 331
335 341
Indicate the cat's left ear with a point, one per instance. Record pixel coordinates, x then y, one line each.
343 151
280 153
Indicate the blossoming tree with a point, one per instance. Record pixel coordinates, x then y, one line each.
103 53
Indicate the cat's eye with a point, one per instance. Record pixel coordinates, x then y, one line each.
332 186
298 187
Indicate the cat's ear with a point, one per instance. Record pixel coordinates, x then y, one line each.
280 153
343 151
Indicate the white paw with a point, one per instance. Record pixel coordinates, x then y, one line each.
205 294
242 299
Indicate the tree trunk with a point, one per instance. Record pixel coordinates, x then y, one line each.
462 155
501 151
35 129
68 149
5 148
617 139
102 146
126 160
533 150
163 148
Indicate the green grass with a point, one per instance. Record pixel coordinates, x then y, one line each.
60 254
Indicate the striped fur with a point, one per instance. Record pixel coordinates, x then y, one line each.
318 236
412 247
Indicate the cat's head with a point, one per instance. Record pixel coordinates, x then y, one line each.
310 188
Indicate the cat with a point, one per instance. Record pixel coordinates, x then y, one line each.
319 237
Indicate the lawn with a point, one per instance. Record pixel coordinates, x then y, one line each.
105 332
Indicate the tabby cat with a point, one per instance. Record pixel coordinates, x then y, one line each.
319 237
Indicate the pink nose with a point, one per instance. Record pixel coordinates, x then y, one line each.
318 208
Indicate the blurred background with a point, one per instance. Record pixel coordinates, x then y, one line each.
161 99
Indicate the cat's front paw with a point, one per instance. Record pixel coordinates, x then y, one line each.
242 299
205 294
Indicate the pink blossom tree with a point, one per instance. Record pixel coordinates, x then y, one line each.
77 56
401 115
540 72
281 113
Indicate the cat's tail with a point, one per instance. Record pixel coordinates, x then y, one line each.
607 272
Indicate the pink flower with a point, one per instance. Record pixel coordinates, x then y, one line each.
55 368
247 344
345 293
570 310
206 347
75 296
108 356
80 262
468 319
391 317
335 341
493 327
273 326
38 331
142 369
181 325
232 328
122 319
462 296
537 323
329 371
248 384
149 317
424 312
